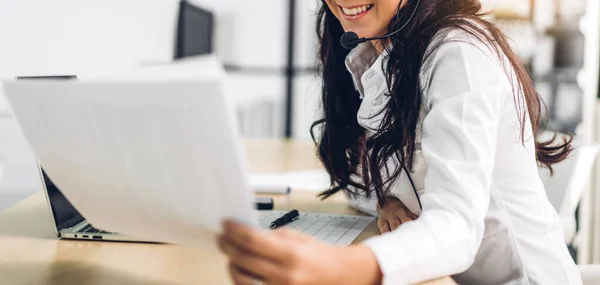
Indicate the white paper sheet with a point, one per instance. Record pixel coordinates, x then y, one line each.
156 160
314 180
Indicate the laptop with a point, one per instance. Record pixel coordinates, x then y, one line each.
175 178
68 222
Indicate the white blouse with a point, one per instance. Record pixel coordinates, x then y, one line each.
486 218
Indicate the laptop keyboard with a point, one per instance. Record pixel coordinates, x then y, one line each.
89 229
333 229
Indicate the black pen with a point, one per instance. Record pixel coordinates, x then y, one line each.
285 219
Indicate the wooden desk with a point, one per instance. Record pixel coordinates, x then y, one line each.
31 254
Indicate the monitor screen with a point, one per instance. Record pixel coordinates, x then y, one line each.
194 31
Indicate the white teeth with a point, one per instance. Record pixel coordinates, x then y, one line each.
356 11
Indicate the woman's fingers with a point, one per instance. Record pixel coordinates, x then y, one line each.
253 241
389 221
412 216
383 225
402 215
240 277
248 262
394 223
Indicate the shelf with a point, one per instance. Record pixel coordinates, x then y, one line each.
564 75
510 16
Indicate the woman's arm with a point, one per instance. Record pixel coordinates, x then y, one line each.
463 101
285 257
361 268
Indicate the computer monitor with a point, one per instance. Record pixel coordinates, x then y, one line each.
194 32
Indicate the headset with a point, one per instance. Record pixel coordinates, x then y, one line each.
349 41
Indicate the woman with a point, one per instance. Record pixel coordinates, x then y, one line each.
446 99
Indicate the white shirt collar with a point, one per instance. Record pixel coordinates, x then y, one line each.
362 59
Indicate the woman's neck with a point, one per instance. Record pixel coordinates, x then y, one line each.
379 46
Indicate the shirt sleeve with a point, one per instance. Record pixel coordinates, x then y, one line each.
464 91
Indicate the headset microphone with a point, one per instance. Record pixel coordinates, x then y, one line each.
350 40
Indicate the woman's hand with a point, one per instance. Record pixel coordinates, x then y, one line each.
285 256
393 215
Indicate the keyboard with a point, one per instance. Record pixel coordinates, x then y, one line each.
333 229
89 229
339 230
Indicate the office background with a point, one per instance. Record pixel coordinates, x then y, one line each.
268 48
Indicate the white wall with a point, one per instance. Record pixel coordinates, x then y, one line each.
307 93
41 37
73 37
91 37
62 36
258 31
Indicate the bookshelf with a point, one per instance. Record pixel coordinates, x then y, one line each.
549 42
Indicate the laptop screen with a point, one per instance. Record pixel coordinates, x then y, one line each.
65 215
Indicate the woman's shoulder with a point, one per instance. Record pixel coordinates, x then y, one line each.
473 39
459 60
467 43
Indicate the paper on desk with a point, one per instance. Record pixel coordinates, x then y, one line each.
315 180
312 180
150 166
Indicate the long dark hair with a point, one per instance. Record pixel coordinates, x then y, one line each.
343 146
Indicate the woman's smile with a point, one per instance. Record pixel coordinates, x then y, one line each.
355 12
366 18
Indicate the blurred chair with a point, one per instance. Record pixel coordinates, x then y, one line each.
566 187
